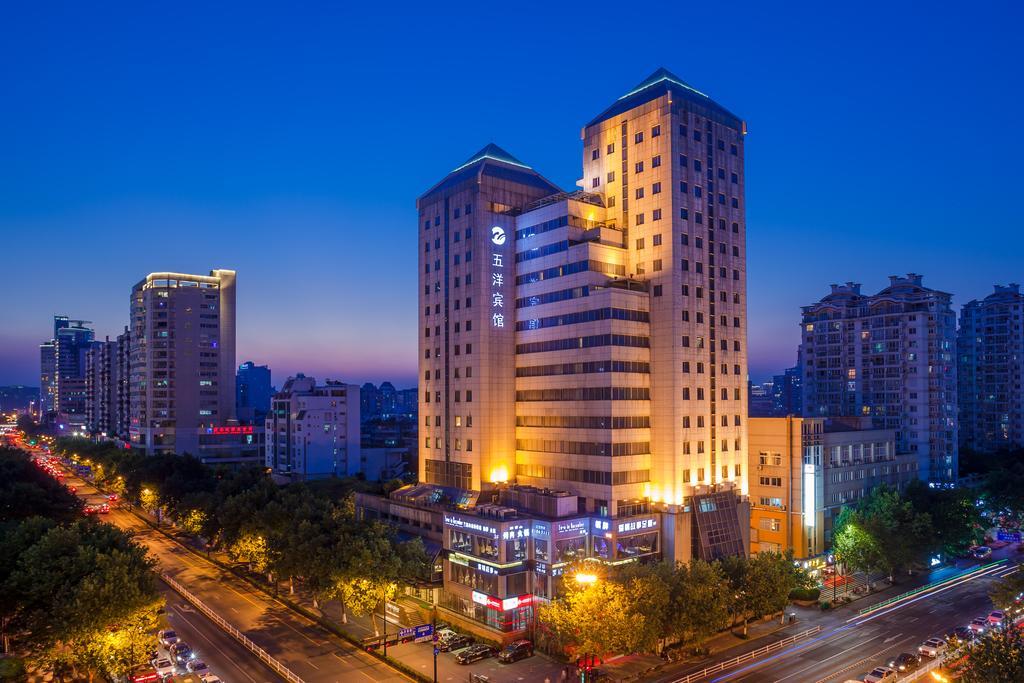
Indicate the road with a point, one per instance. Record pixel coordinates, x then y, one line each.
225 656
310 651
851 646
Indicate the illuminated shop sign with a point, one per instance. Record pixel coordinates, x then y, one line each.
573 527
516 531
230 430
505 604
541 530
637 525
809 495
470 525
601 526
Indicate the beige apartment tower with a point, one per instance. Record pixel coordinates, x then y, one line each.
182 359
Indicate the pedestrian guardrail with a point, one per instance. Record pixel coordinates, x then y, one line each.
749 656
277 666
935 584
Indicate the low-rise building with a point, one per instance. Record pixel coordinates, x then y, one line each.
804 470
313 431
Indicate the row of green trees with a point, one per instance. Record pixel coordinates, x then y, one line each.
642 608
890 531
289 533
76 596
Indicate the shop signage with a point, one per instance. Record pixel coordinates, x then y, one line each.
541 530
505 604
469 524
572 527
231 430
637 525
516 531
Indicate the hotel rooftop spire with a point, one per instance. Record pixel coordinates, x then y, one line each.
659 83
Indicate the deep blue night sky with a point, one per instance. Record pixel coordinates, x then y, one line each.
289 141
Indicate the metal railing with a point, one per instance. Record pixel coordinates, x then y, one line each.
749 656
277 666
935 584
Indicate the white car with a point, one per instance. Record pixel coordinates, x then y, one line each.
210 678
197 666
880 674
163 667
933 647
979 624
996 617
167 637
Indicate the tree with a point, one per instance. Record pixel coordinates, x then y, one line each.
957 523
649 590
853 544
883 533
996 658
700 601
26 491
598 618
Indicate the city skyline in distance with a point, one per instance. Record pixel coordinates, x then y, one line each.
856 167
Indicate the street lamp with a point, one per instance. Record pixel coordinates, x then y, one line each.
585 578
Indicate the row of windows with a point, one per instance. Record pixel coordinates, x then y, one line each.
546 250
700 368
601 477
458 443
698 343
700 422
552 297
586 394
570 269
700 394
584 447
583 368
456 238
437 219
638 137
541 228
585 421
459 421
458 396
584 343
584 317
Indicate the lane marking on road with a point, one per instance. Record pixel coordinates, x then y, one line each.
223 654
892 638
822 661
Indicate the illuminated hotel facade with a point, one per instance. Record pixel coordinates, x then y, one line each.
583 354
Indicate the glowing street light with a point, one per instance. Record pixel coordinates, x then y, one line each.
586 579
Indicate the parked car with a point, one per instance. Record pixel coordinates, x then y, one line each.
961 634
164 667
881 674
456 642
181 653
167 637
982 552
197 666
211 678
933 647
996 618
979 624
516 650
474 654
907 661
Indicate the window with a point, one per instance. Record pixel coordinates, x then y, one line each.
638 137
656 240
685 215
610 149
611 176
657 264
656 131
595 154
656 161
595 182
656 215
639 193
639 219
657 290
656 188
638 167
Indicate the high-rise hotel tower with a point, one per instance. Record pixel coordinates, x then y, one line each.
592 344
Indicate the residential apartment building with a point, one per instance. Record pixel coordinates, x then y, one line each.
888 357
804 470
312 431
583 354
182 360
102 380
990 354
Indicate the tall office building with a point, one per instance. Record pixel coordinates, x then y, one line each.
62 390
990 353
593 341
252 392
787 395
887 356
182 359
123 408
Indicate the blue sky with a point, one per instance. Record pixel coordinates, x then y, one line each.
289 141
